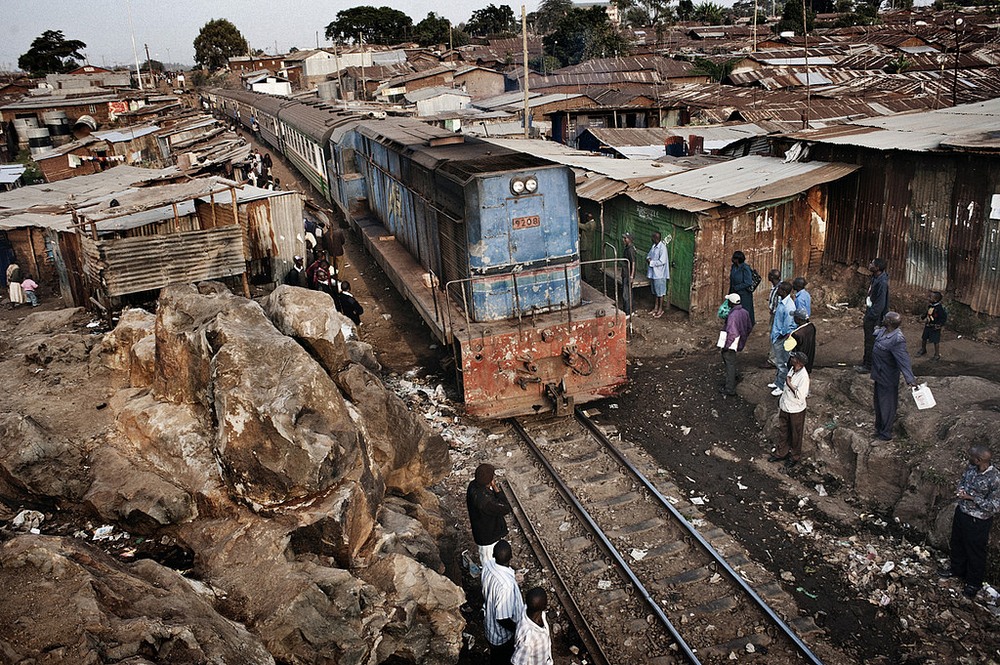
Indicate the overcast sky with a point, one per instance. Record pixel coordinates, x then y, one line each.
170 26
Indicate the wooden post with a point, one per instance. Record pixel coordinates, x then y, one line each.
215 222
246 259
177 221
34 259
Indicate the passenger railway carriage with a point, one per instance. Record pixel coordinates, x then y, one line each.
481 239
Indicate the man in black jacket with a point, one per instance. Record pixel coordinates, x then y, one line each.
876 307
487 508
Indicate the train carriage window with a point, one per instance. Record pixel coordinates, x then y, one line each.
348 158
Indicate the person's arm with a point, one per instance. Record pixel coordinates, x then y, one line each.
656 257
880 294
903 362
743 279
490 502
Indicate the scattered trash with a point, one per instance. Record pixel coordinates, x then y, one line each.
103 532
803 591
751 648
28 520
387 316
685 429
715 414
741 486
803 501
732 655
820 489
805 527
603 585
564 527
699 500
715 579
612 406
788 576
469 564
888 567
637 554
94 324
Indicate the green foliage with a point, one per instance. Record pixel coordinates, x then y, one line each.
492 20
51 53
685 9
899 65
645 13
217 41
156 65
544 64
437 29
549 13
583 34
375 25
709 13
32 174
791 18
714 70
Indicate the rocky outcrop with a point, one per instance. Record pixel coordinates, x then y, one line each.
37 464
310 318
108 612
409 454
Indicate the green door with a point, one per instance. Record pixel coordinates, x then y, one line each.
681 251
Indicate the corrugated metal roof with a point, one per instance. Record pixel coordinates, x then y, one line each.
623 170
750 180
77 191
148 198
125 134
9 173
594 187
37 220
655 197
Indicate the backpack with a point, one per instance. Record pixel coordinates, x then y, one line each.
755 279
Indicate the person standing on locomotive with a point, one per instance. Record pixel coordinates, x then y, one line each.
658 272
628 277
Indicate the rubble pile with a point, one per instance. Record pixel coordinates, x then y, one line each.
251 447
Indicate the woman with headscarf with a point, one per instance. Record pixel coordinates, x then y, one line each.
14 278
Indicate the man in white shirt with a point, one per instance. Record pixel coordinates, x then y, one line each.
502 604
792 412
658 272
533 643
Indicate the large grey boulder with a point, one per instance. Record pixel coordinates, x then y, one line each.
65 602
410 455
39 464
310 317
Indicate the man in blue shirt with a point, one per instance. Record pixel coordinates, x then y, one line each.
889 360
784 324
802 298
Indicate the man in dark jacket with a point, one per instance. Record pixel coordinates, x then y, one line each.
876 307
348 305
736 330
889 360
741 283
297 275
803 338
487 508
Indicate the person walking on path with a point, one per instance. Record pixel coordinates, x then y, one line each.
978 502
784 324
29 286
487 508
502 604
658 272
792 412
803 300
532 641
803 338
349 305
934 319
889 360
736 330
628 278
741 282
876 307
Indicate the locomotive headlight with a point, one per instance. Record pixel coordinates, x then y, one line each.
531 184
517 186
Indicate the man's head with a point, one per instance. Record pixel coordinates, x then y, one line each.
298 261
739 257
877 266
535 600
801 316
799 283
734 299
798 359
892 320
774 275
784 289
502 553
345 287
627 238
935 296
485 474
656 237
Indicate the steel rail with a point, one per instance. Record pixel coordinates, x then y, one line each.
570 497
577 618
707 546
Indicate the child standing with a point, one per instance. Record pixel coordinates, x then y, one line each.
29 286
935 318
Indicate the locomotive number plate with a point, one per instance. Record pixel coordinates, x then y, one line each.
526 222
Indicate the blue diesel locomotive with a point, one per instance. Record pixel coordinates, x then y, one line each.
481 239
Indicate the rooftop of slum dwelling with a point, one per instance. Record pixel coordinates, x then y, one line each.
46 101
436 91
132 201
537 81
749 180
966 127
63 195
716 136
666 67
9 173
36 220
416 76
623 170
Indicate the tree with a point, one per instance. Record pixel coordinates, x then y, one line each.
375 25
549 13
217 41
645 13
715 70
583 34
491 20
437 29
710 13
791 18
52 53
685 9
156 66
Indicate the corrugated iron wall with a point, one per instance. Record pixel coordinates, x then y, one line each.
927 214
131 265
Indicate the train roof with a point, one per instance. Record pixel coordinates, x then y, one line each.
269 104
317 120
462 156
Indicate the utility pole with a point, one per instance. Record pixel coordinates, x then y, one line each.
958 53
149 64
135 53
805 47
364 81
524 49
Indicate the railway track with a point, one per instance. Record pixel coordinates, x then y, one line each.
639 582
